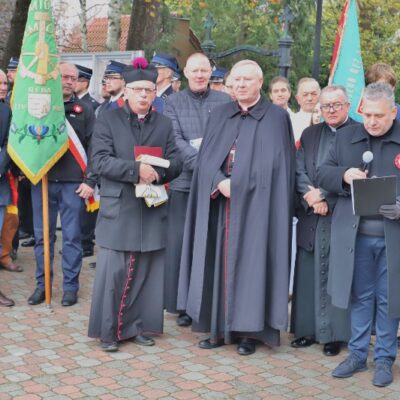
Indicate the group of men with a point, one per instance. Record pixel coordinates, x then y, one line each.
218 252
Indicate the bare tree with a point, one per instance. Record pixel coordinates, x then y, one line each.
17 28
83 21
145 22
114 25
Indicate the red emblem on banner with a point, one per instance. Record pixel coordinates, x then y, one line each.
397 161
77 109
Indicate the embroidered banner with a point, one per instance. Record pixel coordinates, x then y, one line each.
38 134
347 66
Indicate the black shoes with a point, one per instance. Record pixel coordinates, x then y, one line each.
37 297
184 320
87 253
208 344
246 347
332 349
29 242
109 346
69 299
143 340
302 342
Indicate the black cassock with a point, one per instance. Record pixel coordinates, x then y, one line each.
236 253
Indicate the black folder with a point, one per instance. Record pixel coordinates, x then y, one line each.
371 193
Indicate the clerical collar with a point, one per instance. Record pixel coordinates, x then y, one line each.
245 112
338 127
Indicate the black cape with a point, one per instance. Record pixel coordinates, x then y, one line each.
262 192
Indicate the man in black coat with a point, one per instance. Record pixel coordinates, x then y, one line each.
314 319
127 296
365 251
234 272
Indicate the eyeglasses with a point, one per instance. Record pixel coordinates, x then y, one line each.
334 106
140 90
69 78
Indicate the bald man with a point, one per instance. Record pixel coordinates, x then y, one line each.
189 111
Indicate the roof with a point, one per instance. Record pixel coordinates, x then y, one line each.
97 35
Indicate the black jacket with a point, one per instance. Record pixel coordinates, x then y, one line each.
189 113
124 222
81 117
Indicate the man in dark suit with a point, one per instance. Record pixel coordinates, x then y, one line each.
5 194
314 319
127 298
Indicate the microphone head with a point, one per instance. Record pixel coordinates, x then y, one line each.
367 157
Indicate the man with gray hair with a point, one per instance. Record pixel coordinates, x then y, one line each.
365 251
307 96
236 250
314 319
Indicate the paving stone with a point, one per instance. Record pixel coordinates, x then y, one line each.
46 354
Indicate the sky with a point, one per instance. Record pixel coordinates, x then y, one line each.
73 8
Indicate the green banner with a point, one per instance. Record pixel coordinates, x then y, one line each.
38 135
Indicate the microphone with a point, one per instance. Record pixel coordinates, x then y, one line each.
367 157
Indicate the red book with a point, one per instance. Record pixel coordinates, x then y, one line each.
151 151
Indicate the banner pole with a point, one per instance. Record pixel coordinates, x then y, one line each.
46 239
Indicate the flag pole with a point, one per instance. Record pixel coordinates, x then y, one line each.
46 239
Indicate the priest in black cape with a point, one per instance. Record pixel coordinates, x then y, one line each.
235 262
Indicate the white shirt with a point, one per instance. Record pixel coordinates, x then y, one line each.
300 121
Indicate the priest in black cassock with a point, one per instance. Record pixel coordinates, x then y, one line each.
235 262
314 319
127 300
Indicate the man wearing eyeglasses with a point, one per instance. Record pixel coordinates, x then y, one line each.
128 290
314 319
68 187
114 86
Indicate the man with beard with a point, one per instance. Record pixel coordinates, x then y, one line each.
236 250
114 87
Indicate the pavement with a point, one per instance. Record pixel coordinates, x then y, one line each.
46 354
